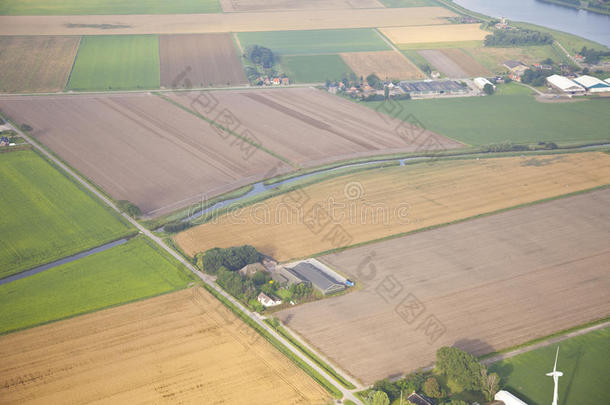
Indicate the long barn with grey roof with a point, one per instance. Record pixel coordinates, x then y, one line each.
317 277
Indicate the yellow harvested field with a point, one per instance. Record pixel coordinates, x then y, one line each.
385 64
229 6
222 22
184 347
36 64
377 203
435 33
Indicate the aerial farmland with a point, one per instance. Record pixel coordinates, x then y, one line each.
379 203
181 347
450 275
207 60
44 63
304 202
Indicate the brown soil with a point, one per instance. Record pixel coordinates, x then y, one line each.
201 60
491 283
141 148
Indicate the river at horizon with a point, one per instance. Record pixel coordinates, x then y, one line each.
592 26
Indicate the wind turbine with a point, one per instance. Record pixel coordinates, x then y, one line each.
555 374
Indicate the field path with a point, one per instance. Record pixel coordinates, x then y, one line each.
347 394
544 343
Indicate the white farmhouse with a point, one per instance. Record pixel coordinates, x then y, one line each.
564 84
267 301
508 398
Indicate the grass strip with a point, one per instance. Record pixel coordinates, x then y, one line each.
326 367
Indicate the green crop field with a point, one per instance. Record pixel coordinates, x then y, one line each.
583 361
316 41
134 270
116 62
513 115
69 7
314 68
45 216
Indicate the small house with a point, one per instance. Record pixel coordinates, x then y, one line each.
268 301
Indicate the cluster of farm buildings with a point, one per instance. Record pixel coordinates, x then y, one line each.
579 85
420 89
310 272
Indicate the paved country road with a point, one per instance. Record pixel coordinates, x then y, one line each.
347 394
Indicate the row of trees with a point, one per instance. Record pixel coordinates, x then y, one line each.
592 56
536 77
518 37
456 365
259 55
233 258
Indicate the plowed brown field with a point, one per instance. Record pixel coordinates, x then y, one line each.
201 59
385 64
229 6
310 127
482 285
141 148
183 347
36 64
378 203
223 22
454 63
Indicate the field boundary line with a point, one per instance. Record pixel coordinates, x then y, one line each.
238 43
65 86
65 318
298 341
545 341
49 156
282 344
214 123
457 221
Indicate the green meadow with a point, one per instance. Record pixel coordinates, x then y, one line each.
316 41
134 270
314 68
71 7
510 115
46 216
116 62
584 361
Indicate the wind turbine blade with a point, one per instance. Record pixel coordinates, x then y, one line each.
556 355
